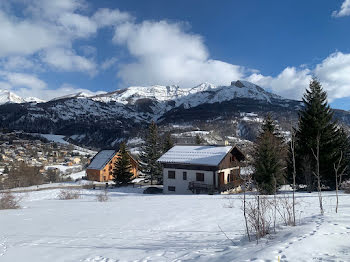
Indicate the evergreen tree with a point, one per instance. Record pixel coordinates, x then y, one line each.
151 152
122 169
316 119
198 140
269 125
168 143
269 158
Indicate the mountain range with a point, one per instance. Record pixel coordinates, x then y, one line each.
8 97
107 119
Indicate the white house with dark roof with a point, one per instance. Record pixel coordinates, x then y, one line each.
198 169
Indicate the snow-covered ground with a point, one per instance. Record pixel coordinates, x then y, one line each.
136 227
55 138
60 139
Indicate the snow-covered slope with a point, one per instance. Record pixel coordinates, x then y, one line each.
9 97
107 119
161 228
189 97
33 100
76 95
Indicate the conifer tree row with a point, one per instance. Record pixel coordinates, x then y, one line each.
316 119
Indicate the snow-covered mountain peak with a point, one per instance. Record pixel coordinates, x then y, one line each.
9 97
34 100
75 95
189 97
202 87
134 93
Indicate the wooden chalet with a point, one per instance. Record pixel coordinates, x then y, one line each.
103 163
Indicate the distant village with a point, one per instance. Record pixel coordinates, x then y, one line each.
32 150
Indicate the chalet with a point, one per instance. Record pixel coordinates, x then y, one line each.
103 163
198 169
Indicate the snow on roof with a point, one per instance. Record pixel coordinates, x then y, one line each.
101 159
200 155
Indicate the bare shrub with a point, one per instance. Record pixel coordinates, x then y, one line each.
67 194
259 216
346 186
284 207
347 190
9 201
103 196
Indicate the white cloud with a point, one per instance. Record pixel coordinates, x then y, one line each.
166 54
105 17
48 94
290 83
23 80
48 26
78 25
67 60
344 9
18 63
5 85
27 85
25 37
108 63
161 52
52 9
333 73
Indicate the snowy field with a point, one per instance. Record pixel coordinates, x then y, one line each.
136 227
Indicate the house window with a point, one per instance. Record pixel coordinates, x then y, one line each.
200 176
171 174
171 188
184 174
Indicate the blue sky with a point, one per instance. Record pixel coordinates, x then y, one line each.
51 48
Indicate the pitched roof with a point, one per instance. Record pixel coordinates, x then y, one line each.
101 159
199 155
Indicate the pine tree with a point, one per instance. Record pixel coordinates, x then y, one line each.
269 158
198 140
122 169
151 152
168 143
316 120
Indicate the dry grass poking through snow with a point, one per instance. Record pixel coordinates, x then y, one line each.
67 194
9 201
103 196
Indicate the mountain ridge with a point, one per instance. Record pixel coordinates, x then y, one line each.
107 119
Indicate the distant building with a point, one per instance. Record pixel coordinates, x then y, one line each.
103 163
198 169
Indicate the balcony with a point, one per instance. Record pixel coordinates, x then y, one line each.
199 187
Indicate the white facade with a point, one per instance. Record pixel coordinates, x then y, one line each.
215 164
181 185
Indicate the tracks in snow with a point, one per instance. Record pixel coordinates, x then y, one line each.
3 246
